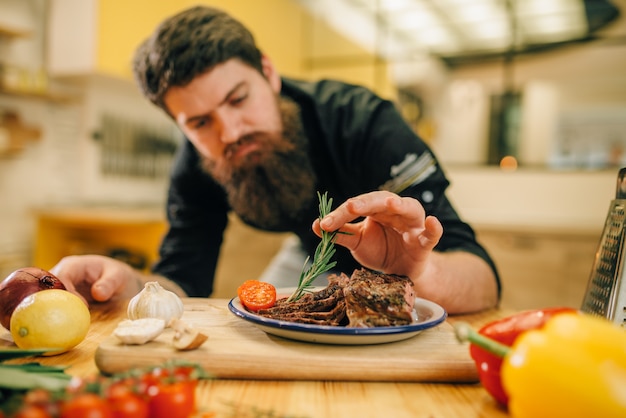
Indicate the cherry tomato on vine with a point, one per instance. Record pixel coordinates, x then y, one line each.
172 400
179 372
31 411
86 405
125 401
129 405
170 391
255 294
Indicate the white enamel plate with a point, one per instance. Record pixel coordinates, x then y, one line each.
429 315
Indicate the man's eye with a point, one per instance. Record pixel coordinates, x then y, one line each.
238 100
199 123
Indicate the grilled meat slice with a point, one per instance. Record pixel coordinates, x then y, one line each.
377 300
334 316
310 302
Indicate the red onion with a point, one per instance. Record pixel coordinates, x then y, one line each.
21 283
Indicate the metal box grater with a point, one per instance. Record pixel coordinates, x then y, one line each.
606 290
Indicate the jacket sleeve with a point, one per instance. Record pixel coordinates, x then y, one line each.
197 216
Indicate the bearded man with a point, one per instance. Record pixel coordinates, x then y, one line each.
263 146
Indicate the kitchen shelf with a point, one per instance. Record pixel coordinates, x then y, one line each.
41 95
131 234
11 32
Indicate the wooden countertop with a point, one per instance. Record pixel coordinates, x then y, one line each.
314 399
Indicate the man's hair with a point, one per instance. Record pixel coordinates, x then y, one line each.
188 44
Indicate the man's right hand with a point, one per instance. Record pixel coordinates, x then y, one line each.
97 278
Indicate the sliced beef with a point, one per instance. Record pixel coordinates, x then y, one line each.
365 299
377 300
310 302
335 316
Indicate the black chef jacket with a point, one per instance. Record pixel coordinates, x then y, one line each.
358 143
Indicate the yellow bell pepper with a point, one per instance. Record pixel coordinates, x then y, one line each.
575 366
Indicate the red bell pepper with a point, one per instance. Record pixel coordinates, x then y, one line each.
506 331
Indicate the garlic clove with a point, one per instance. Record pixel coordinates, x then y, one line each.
155 302
139 331
190 341
185 336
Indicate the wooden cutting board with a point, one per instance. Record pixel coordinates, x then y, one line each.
238 349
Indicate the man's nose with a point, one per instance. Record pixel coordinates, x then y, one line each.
230 128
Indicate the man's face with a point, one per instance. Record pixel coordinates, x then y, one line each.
250 140
220 107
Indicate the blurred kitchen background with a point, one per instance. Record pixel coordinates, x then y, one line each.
523 101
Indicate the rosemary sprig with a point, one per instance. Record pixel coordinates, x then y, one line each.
323 253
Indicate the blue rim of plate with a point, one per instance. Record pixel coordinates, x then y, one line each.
438 315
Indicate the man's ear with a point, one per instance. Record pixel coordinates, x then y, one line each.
271 74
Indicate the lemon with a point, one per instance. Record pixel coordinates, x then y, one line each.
50 318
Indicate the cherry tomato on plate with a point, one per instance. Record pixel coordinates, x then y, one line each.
255 295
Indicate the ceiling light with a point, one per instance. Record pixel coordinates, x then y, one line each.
397 29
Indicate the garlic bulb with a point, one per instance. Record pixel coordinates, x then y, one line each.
155 302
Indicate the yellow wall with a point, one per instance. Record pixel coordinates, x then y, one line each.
283 30
72 231
330 55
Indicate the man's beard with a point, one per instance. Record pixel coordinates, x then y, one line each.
275 183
